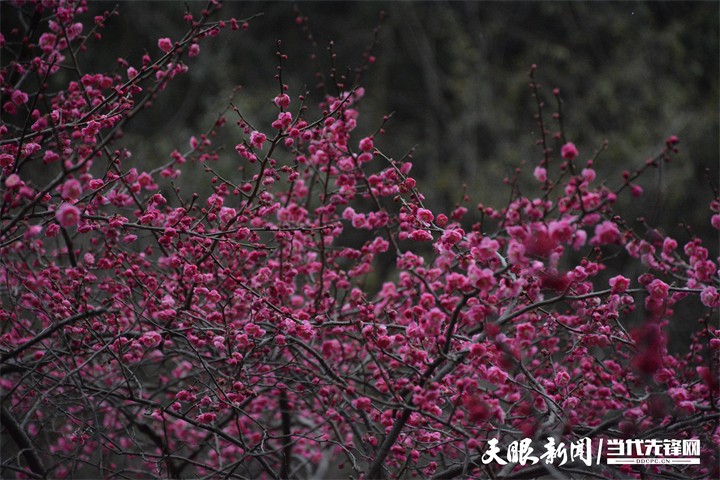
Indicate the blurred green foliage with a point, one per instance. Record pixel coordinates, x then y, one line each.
454 75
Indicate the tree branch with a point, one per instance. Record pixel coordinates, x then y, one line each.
21 440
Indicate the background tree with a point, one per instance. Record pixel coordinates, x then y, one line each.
278 296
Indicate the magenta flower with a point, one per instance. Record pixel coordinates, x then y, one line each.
13 181
165 44
366 144
540 174
710 297
67 215
605 233
569 151
206 417
658 289
257 139
420 236
19 97
425 215
282 100
71 190
619 283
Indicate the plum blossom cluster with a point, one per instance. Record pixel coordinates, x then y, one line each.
246 335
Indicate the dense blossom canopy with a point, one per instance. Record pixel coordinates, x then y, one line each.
149 331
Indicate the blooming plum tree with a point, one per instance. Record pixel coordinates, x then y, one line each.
146 331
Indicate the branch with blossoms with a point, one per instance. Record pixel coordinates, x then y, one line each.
245 333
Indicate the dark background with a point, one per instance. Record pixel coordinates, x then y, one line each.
455 74
455 77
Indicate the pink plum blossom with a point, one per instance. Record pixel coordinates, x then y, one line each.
67 215
165 44
569 151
